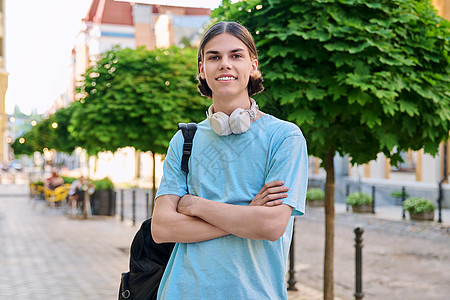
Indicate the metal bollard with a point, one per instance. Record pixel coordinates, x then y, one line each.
373 198
134 208
147 197
358 263
292 281
403 200
444 178
121 205
347 192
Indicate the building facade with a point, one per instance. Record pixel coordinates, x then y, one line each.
3 86
130 24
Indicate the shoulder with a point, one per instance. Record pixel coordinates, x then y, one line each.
177 141
280 129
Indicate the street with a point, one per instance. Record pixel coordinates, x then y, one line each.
46 254
401 260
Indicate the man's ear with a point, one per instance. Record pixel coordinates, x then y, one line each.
201 71
254 66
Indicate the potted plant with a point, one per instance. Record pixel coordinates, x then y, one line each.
419 209
397 195
360 202
315 197
37 189
104 198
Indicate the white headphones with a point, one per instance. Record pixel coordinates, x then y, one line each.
238 122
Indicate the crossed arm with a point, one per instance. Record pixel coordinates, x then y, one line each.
192 219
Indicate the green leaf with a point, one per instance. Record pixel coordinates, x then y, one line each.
315 93
370 119
409 107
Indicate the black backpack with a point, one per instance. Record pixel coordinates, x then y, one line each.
148 259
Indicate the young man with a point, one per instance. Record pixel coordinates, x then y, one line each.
231 217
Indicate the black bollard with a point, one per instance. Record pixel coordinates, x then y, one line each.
444 178
121 205
358 263
403 200
373 199
347 192
134 207
291 280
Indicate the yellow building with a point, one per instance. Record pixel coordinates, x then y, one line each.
443 8
3 86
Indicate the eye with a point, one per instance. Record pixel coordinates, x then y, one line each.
236 56
215 57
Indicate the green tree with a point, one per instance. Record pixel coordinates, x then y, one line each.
359 76
61 140
45 135
137 98
24 148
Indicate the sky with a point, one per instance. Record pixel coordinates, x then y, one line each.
39 39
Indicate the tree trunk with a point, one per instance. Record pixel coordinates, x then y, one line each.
87 204
137 165
328 266
153 181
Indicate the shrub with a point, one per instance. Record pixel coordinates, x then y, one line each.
103 184
315 194
359 198
417 205
68 179
398 194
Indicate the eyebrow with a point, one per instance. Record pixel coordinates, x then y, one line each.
217 52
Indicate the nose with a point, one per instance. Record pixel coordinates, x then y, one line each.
225 64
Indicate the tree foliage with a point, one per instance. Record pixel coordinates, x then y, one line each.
137 98
22 148
61 139
44 135
359 76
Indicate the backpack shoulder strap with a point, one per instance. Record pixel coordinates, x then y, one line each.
188 131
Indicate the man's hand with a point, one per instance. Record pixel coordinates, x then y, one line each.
271 194
186 204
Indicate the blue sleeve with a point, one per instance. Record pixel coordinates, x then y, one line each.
289 162
173 181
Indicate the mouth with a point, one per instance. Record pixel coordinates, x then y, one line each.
226 78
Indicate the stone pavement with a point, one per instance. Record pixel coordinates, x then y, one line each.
401 259
45 254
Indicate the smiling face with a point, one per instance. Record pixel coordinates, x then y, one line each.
227 67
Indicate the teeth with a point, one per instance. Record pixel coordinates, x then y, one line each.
226 78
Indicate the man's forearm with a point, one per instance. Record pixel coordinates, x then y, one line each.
252 222
170 226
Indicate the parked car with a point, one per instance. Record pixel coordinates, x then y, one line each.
14 165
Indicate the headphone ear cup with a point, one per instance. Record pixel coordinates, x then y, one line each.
239 121
219 123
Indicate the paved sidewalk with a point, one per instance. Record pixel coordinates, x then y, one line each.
48 255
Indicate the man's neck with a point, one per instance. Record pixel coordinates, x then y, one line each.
228 105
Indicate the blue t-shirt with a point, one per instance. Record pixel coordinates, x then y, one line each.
233 169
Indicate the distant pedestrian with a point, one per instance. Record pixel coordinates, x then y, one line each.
54 181
77 191
231 216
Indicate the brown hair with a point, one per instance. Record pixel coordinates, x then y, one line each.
255 81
